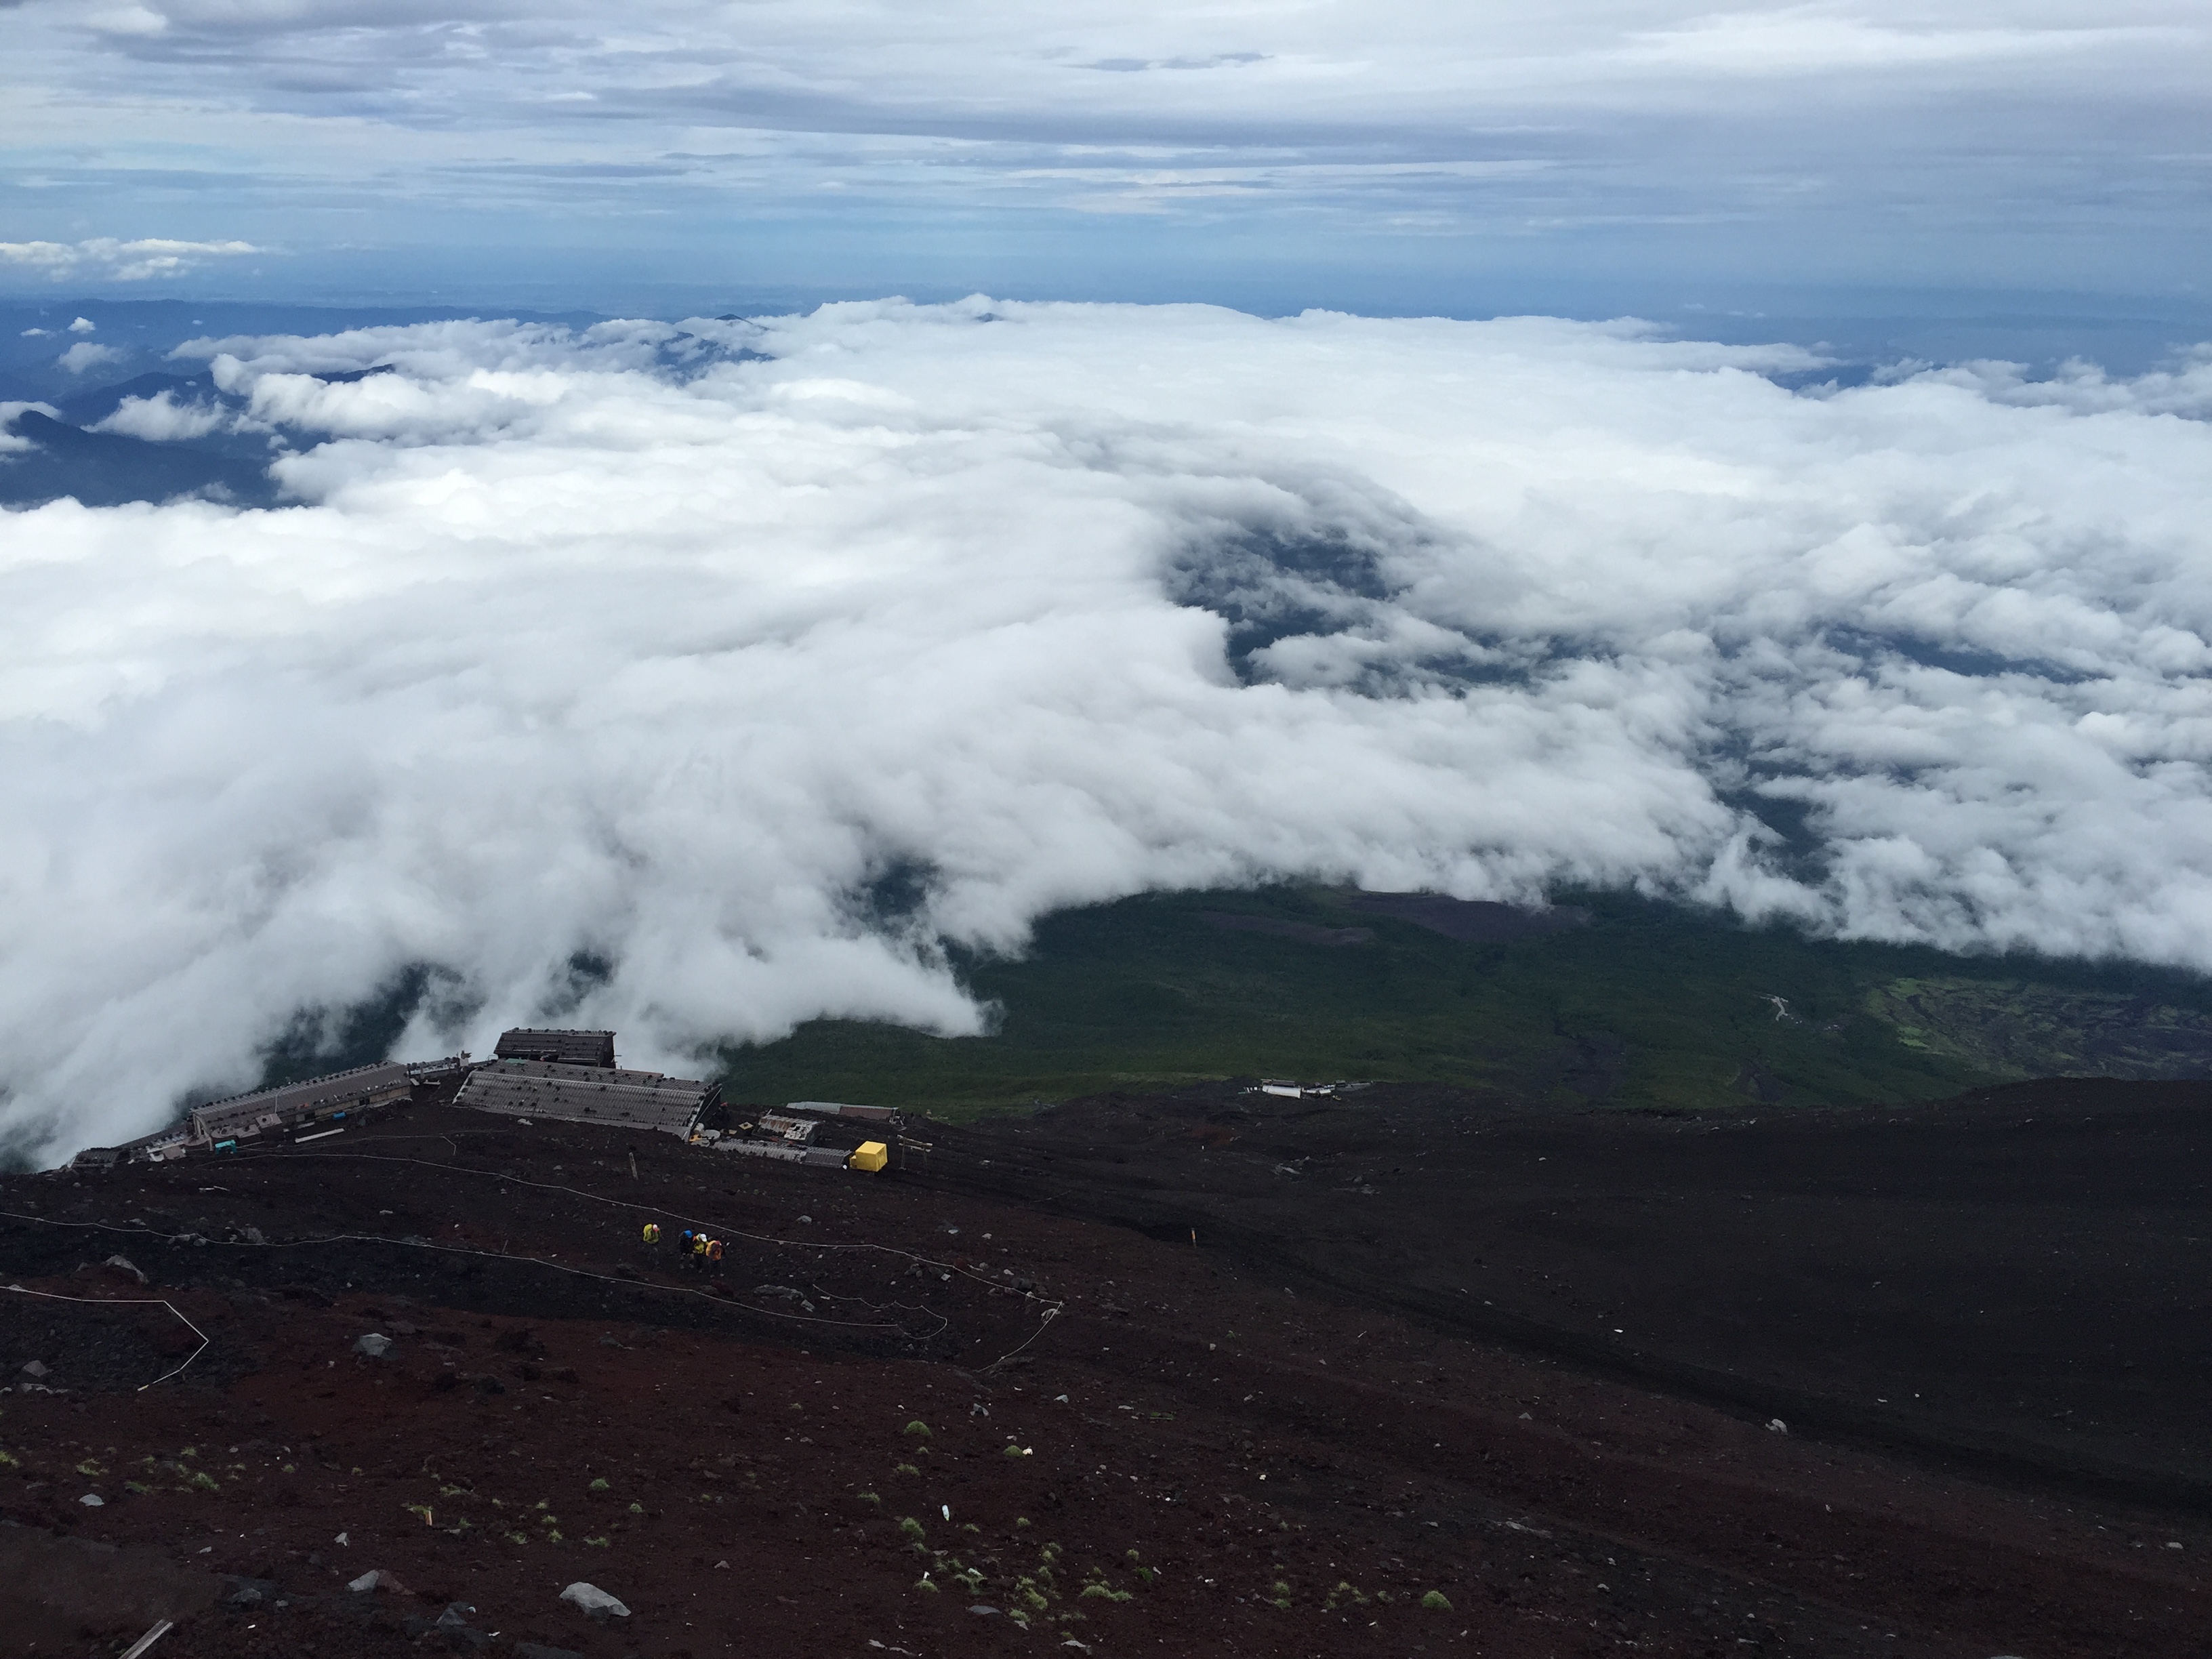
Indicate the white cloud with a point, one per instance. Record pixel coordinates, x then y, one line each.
609 643
164 419
83 326
9 442
86 354
105 257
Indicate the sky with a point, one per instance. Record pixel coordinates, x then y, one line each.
672 648
1591 158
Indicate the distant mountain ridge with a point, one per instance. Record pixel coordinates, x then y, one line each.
108 468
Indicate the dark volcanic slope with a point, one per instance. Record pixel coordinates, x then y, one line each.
2020 1278
868 1436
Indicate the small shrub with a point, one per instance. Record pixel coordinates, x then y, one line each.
1021 1521
920 1430
871 1500
906 1468
910 1528
1106 1592
597 1543
1437 1601
637 1509
600 1484
923 1584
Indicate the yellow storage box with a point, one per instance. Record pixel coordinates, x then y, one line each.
869 1155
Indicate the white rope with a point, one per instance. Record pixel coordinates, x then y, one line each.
128 1302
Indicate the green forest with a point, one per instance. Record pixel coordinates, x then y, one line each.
1642 1004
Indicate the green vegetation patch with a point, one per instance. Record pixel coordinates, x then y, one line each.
1622 1002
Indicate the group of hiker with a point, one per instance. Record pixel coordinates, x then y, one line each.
693 1248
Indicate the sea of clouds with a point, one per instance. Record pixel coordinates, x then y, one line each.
672 649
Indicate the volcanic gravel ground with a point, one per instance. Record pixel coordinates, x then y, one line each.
918 1415
2015 1280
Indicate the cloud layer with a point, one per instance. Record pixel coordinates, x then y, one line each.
675 649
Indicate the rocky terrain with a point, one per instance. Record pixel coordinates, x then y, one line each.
1407 1370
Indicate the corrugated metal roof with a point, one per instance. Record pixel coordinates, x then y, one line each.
587 1094
363 1084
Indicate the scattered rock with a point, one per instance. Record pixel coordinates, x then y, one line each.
93 1500
591 1599
377 1579
374 1344
980 1611
1777 1426
538 1649
34 1369
458 1632
121 1265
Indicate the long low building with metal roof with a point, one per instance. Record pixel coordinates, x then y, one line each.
357 1089
588 1094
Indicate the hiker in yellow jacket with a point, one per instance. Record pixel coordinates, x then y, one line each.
653 1232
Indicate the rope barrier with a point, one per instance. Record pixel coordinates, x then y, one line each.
487 1255
1051 1310
128 1302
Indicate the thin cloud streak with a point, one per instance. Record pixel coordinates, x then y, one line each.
107 259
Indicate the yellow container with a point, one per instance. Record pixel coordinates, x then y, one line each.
869 1155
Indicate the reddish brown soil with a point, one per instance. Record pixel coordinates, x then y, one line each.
1244 1425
